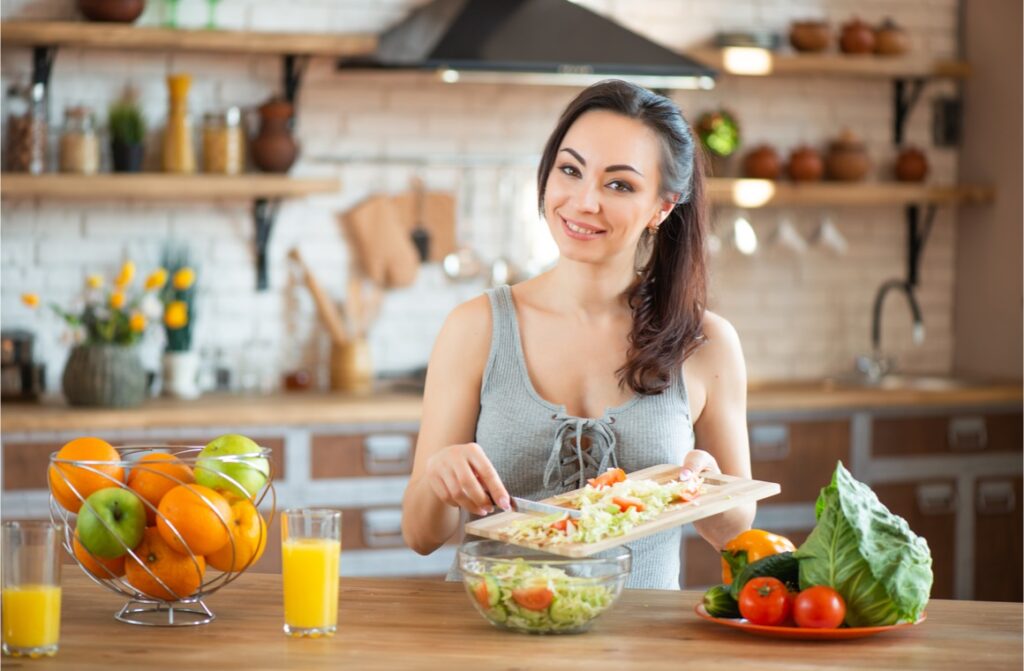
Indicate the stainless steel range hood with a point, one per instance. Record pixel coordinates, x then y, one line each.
527 41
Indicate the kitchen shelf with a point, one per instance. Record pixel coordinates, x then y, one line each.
754 193
158 186
123 36
752 62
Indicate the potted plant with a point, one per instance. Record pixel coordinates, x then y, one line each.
104 368
180 361
127 131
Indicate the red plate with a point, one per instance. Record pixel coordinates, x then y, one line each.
840 634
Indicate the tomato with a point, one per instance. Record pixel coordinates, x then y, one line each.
819 607
533 598
561 525
626 502
608 478
765 601
480 593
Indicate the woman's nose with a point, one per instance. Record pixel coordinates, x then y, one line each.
588 197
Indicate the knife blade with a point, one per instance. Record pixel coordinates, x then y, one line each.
528 506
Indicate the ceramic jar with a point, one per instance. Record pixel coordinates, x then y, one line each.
805 165
275 148
112 11
810 36
891 40
181 374
857 37
762 162
911 165
847 159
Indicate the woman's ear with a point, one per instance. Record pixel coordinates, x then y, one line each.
662 212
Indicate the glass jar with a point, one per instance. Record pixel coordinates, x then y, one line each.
28 128
79 146
179 154
223 142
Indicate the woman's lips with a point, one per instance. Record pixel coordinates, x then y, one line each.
579 231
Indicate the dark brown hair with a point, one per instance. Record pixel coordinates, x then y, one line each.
669 294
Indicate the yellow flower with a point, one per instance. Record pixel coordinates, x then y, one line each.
176 315
183 279
117 300
94 281
137 322
156 280
127 274
31 300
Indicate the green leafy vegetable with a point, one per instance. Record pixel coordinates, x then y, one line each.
869 555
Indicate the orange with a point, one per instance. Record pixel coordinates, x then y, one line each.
199 514
178 572
84 479
98 566
248 537
154 475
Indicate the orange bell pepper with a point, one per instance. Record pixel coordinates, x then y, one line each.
748 547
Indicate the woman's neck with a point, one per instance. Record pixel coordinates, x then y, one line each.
590 289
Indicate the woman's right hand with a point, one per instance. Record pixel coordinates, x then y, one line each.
462 476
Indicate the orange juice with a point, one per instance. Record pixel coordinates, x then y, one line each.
31 616
310 569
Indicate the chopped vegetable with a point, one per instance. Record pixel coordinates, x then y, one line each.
608 478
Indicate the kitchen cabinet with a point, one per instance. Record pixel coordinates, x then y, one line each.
955 433
362 454
997 539
799 455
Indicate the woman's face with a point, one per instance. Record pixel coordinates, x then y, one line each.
604 187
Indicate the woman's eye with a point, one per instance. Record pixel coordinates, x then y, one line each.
570 170
619 185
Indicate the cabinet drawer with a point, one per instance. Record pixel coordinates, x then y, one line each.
800 456
361 455
930 510
948 434
25 463
702 566
998 547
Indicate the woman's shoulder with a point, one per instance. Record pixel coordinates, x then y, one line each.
721 353
466 332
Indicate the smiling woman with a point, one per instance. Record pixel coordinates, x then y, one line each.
534 389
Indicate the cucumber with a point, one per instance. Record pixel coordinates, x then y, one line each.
783 566
493 590
718 602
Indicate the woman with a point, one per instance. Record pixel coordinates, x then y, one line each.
533 389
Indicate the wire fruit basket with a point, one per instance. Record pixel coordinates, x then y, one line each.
163 526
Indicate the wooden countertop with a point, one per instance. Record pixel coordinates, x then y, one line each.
421 624
312 408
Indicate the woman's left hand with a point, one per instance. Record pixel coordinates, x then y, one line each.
698 462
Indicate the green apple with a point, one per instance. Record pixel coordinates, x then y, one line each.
235 457
111 520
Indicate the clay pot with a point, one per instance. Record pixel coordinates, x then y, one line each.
810 36
275 148
805 165
857 38
847 160
112 11
911 165
762 163
891 40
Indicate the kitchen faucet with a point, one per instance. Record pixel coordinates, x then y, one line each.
875 365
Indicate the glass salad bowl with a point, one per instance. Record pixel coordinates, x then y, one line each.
535 592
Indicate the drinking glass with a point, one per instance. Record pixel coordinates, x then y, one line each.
310 555
31 556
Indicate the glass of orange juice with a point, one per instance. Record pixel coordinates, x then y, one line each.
31 587
310 554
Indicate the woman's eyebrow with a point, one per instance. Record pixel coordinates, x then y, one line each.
612 168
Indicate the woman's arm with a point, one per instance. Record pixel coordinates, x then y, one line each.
449 469
721 427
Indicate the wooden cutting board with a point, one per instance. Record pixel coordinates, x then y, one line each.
721 492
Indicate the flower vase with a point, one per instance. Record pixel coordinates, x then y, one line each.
181 374
104 376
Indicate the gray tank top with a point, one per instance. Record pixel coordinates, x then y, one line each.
539 450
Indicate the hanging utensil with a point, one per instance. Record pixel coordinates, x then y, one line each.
464 263
331 315
420 234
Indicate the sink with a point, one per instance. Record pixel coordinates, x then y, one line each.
899 381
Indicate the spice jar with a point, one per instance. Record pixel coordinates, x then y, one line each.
223 142
27 128
79 146
179 154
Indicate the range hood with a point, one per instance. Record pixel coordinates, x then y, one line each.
527 41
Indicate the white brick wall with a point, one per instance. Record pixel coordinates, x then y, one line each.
798 317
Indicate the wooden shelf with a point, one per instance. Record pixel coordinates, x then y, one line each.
158 186
763 63
753 193
124 36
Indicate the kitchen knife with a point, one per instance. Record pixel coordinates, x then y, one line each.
528 506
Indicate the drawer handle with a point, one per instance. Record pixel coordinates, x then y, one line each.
936 499
967 434
387 453
996 498
769 442
382 528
